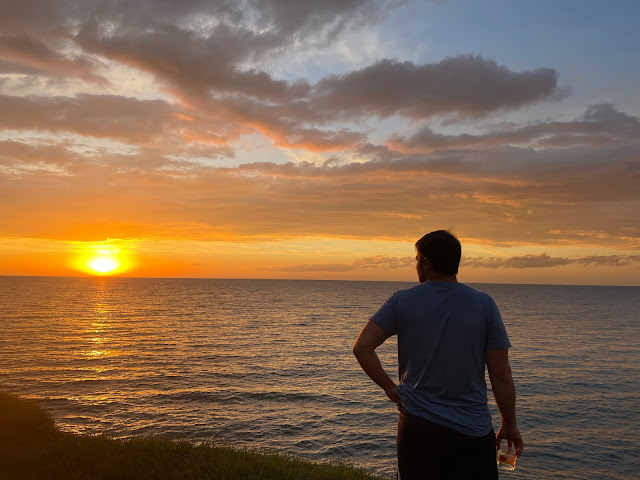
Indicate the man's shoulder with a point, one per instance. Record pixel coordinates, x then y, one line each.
435 288
478 295
472 291
408 292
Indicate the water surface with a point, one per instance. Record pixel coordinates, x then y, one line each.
268 364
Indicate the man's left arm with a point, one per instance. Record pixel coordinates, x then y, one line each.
371 337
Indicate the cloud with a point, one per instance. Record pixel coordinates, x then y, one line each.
204 71
608 260
94 115
187 63
465 84
524 261
507 196
543 260
135 121
375 262
310 268
237 31
602 125
384 261
209 57
21 53
21 156
395 199
208 73
526 175
321 20
289 20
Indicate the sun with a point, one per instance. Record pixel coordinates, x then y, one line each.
102 259
103 264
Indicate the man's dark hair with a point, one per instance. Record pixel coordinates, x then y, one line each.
442 249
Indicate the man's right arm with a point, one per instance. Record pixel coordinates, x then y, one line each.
504 392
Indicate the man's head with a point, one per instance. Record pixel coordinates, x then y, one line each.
442 250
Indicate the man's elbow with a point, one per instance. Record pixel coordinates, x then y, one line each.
360 349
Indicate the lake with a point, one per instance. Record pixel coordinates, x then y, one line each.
267 364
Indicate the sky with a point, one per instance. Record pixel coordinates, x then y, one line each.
320 140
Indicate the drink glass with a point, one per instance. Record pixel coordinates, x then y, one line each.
507 460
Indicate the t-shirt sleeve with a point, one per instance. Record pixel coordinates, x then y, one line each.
385 317
497 338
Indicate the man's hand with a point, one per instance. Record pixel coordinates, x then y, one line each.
392 393
512 436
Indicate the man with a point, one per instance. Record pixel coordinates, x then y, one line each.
447 332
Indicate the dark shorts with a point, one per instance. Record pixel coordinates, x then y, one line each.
430 451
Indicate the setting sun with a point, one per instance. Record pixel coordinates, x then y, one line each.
102 259
103 264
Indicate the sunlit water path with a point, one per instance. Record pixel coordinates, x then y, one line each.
268 364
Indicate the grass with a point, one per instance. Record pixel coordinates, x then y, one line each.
31 447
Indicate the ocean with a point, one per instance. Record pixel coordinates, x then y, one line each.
267 364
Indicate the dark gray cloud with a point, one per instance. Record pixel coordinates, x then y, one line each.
203 72
205 54
545 175
187 63
292 22
21 53
601 125
101 116
192 43
465 84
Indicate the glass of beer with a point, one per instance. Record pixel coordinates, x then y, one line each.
507 460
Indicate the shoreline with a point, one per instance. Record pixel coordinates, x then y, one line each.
31 446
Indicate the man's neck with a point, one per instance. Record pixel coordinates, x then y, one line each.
443 278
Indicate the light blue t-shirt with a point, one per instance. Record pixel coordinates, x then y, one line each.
443 332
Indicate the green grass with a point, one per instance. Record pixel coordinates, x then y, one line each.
31 447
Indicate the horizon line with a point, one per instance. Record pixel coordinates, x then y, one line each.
309 280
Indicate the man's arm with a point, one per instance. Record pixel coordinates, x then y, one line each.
504 392
371 337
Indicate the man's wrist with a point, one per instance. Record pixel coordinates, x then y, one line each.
509 423
389 387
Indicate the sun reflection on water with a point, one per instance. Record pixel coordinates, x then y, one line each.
96 331
97 353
